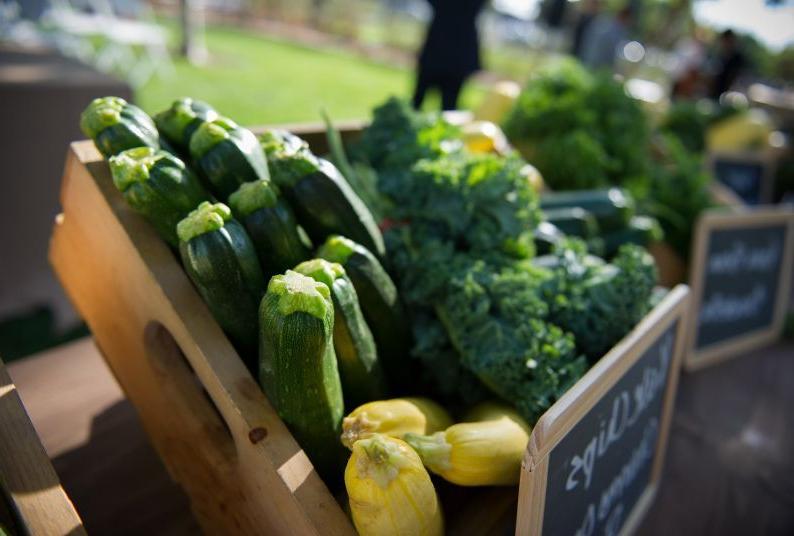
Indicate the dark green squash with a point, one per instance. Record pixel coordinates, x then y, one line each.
227 155
271 224
220 259
356 354
298 368
383 311
116 125
159 186
324 202
178 123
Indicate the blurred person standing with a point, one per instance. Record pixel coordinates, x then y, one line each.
730 63
603 36
451 51
586 16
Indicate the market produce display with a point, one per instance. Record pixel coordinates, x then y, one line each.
449 307
584 132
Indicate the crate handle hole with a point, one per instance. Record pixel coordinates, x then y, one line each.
184 387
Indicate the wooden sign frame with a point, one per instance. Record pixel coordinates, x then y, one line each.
575 404
716 219
767 162
26 474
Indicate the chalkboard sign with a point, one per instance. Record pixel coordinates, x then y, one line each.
740 278
749 175
595 457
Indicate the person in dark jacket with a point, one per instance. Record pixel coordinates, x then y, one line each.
730 64
451 52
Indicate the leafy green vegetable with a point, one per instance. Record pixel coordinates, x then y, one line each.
580 130
599 303
678 191
495 319
398 137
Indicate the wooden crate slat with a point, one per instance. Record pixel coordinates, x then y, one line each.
249 473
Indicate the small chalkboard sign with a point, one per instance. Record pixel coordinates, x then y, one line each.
748 175
594 459
740 275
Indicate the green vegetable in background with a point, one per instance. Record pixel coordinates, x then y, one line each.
116 125
159 186
220 259
356 355
178 123
580 130
323 200
271 225
678 192
298 368
612 208
227 156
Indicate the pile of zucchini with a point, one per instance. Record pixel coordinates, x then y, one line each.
605 219
288 260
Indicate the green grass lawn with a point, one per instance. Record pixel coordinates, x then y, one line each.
256 80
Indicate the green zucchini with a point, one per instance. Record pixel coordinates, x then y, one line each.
546 235
227 155
642 230
356 355
116 125
323 200
297 365
380 304
159 186
271 225
612 208
178 123
574 221
220 259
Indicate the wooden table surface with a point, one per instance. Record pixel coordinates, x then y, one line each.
729 470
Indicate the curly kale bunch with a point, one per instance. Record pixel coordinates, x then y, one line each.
399 136
476 202
582 131
597 302
495 320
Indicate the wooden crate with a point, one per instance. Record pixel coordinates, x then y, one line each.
213 427
32 500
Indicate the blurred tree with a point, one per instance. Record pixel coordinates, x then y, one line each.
192 47
783 65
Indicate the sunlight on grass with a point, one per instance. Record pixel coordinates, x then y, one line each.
256 80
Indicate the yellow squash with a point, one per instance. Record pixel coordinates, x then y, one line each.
482 453
394 417
390 491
